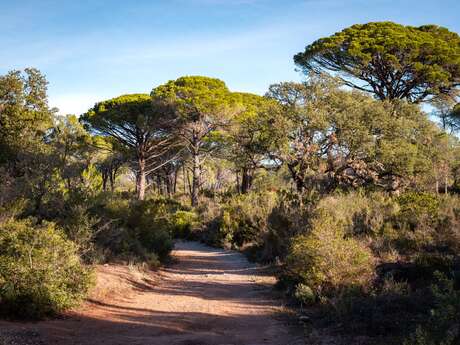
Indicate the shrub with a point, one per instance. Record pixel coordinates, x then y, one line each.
427 222
113 208
413 238
184 222
160 211
289 217
376 214
209 216
327 261
79 227
422 337
393 310
40 271
153 223
156 240
447 233
441 327
417 209
245 217
242 220
304 294
152 262
134 230
361 214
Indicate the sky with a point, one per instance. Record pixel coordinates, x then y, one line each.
92 50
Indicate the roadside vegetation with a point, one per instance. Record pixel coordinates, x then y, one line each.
344 182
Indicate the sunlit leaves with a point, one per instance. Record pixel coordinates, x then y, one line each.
391 61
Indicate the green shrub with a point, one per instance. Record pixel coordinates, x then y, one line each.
40 271
441 326
156 240
422 337
152 222
133 231
183 223
417 209
152 262
235 220
114 208
290 216
427 222
360 213
244 218
428 264
327 261
304 294
160 211
393 310
375 215
413 238
79 227
209 222
447 235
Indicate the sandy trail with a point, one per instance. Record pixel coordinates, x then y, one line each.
209 297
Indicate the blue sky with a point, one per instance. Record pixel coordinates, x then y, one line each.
91 50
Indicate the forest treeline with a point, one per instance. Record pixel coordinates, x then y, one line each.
345 182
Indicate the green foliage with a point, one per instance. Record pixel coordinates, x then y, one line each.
341 139
441 328
71 149
305 294
255 132
137 125
120 117
202 106
184 222
390 60
194 98
289 217
422 337
371 259
139 231
152 223
79 227
244 219
329 262
447 112
24 112
426 222
387 313
415 205
40 271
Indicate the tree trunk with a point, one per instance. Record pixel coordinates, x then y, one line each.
104 180
113 175
218 183
437 185
297 178
169 183
140 186
237 182
189 183
176 172
184 177
246 182
195 179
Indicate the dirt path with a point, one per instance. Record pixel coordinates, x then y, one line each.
208 297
